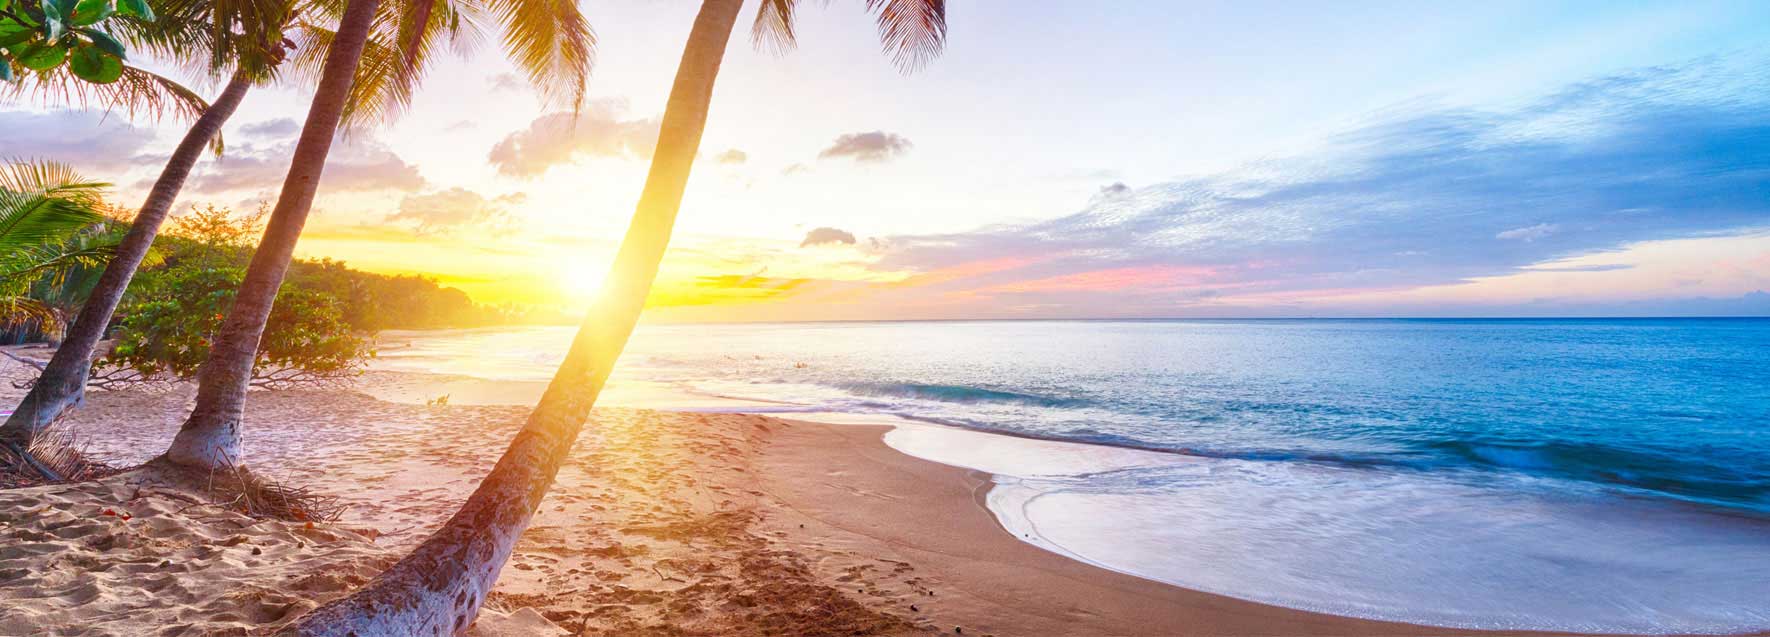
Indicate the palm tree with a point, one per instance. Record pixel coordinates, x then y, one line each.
437 589
362 77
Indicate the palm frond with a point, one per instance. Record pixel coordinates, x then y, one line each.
24 176
139 93
552 42
773 29
41 202
913 32
16 310
406 39
53 263
376 95
217 38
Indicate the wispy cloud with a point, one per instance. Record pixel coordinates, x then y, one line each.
86 140
876 146
272 128
601 130
454 209
353 165
826 236
1529 233
732 156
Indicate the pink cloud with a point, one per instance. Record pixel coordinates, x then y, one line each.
1143 278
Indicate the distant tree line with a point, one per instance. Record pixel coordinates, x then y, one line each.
324 311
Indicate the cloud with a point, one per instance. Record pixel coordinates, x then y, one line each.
732 156
272 128
357 165
1528 233
794 169
876 146
1115 189
1418 196
453 209
504 82
601 130
1606 267
88 141
825 236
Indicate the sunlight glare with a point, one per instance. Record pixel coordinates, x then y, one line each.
583 279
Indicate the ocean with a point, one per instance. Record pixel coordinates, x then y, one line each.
1600 475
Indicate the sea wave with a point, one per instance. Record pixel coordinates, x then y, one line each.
956 394
1639 472
1678 475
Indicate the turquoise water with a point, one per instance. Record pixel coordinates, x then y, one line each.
1598 475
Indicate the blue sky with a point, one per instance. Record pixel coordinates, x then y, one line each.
1075 159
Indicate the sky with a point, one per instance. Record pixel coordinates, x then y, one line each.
1067 160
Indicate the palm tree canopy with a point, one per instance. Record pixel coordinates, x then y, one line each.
913 32
549 40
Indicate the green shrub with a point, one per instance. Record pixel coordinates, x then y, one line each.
171 321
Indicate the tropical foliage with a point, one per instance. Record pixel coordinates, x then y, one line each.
40 37
52 230
166 331
319 329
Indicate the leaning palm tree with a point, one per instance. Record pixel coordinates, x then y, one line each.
364 77
437 589
242 37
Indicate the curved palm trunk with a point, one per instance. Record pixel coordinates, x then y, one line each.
210 439
62 384
438 588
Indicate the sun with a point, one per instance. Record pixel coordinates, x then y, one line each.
582 279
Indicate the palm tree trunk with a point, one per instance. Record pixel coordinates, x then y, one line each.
437 589
62 385
210 439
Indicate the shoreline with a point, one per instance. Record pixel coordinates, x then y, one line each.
662 523
1008 586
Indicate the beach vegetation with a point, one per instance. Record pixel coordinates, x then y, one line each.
53 231
168 328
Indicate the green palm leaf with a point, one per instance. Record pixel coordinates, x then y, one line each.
42 206
42 202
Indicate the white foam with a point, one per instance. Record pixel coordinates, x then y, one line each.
1402 546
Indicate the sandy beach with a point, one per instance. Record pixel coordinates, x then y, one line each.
663 524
